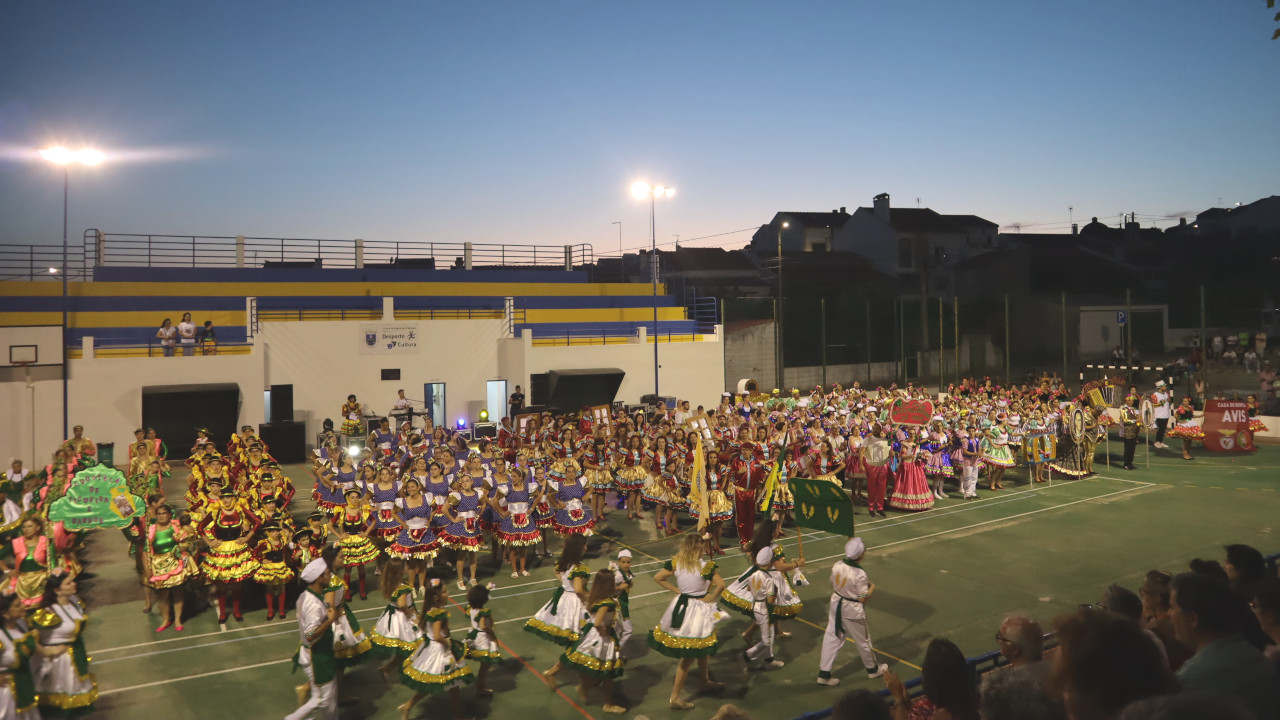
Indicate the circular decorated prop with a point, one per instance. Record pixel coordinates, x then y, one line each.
1076 423
1148 411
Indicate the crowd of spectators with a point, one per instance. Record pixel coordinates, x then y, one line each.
187 336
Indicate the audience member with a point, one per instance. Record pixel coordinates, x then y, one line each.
1208 567
949 684
1021 640
1155 593
1266 607
1126 603
1203 610
861 705
1018 696
1245 568
1104 663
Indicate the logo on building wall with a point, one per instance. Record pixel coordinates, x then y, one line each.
389 339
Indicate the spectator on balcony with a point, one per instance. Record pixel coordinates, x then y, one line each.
949 685
208 339
1104 663
167 334
1021 641
1260 343
187 335
1250 360
1205 617
861 705
1266 378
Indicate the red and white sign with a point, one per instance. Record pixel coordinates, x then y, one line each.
911 412
1226 426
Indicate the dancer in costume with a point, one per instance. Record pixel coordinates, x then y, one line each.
565 497
396 634
438 665
351 413
350 645
226 530
1255 423
482 640
597 475
623 581
517 528
597 656
560 620
996 453
381 496
785 604
910 487
760 589
315 656
17 650
875 454
167 565
661 487
274 554
1185 427
34 555
747 475
352 524
719 508
970 462
847 615
687 630
463 533
61 667
632 475
416 544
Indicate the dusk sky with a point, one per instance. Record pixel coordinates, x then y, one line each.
528 122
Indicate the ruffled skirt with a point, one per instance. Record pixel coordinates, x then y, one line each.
597 655
59 684
694 637
518 529
1189 430
631 478
417 544
349 641
435 668
482 648
719 508
229 562
999 456
273 573
575 521
394 634
661 489
169 570
356 550
560 620
598 480
911 489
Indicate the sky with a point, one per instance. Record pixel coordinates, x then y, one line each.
527 123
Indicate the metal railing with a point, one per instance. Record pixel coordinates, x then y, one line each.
565 338
705 311
136 250
464 313
40 262
316 314
106 348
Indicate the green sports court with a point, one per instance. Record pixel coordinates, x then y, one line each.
955 570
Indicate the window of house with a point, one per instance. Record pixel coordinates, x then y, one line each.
905 259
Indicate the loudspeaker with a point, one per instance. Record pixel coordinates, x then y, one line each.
281 404
175 411
287 441
571 390
539 389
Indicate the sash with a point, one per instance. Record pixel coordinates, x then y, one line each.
682 605
24 686
555 599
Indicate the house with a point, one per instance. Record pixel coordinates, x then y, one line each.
1260 217
798 232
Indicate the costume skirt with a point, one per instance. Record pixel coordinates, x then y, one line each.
999 456
414 544
687 629
560 620
1188 430
168 570
573 519
518 529
356 550
394 634
59 683
436 667
911 489
597 655
631 478
273 573
482 648
718 507
349 641
229 562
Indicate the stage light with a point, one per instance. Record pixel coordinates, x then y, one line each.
354 450
484 416
462 424
53 271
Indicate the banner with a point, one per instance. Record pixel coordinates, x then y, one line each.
698 486
823 505
1226 426
911 412
388 339
97 497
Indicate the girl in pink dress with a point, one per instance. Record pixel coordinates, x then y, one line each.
910 487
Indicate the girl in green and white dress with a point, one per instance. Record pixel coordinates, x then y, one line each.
688 627
561 619
482 641
597 656
439 665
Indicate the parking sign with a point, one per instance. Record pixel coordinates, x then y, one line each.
1121 317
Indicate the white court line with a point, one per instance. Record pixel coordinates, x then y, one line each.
113 691
817 536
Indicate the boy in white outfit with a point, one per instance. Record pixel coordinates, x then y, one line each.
847 616
623 580
764 589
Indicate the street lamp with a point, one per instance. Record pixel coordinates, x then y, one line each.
61 156
777 324
642 190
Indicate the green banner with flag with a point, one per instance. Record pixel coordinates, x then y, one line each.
823 505
97 497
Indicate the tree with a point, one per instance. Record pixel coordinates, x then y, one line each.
1272 4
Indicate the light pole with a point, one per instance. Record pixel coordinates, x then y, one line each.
64 157
653 192
619 224
777 324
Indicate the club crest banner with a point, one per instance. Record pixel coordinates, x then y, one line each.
1226 426
97 497
388 339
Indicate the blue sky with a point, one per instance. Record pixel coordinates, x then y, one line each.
528 122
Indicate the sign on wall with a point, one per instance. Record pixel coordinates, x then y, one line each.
388 339
1226 426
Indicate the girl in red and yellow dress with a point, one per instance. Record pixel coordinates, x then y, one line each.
227 529
202 474
351 417
661 487
597 474
632 474
1185 426
718 506
273 483
274 572
352 524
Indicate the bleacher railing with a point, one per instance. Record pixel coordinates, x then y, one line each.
312 314
105 347
40 262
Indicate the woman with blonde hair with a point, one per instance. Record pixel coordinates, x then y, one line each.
687 630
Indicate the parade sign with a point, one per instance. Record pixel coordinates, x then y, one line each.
1226 426
823 505
97 497
911 412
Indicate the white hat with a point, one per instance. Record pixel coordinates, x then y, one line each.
1160 383
624 554
764 557
314 570
854 548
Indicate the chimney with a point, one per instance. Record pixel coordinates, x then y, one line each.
1182 222
880 205
1075 228
844 210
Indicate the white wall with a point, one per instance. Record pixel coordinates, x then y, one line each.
692 371
1099 332
324 363
19 423
46 338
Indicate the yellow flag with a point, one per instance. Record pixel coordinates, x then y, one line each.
770 487
698 486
